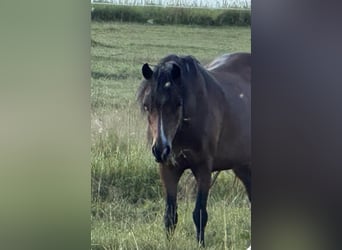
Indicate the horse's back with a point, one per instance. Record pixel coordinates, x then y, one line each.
233 74
235 64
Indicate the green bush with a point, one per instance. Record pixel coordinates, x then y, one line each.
171 15
116 13
234 17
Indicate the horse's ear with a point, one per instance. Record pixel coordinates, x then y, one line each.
175 71
147 71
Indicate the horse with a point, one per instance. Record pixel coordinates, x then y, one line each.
199 119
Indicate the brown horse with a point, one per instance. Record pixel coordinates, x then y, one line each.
198 119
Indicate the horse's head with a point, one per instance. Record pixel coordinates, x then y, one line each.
160 96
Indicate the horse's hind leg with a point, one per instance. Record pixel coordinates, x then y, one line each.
170 178
244 174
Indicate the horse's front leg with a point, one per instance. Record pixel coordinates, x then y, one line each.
170 177
200 215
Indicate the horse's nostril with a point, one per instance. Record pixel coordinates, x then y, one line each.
161 154
154 150
156 153
165 153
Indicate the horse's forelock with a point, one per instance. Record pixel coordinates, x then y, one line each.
187 64
189 67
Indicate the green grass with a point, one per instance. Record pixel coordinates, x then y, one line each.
127 196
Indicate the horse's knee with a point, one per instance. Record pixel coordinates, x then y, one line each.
200 217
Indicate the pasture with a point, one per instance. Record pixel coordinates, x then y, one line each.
127 204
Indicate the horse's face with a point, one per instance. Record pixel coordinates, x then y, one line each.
162 101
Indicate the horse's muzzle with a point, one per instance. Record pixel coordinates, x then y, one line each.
161 154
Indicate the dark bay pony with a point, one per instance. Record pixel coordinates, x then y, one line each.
198 119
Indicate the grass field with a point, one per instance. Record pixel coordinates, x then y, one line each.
127 197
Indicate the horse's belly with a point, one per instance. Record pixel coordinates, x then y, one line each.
225 163
231 155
